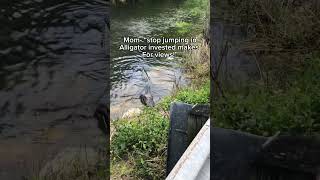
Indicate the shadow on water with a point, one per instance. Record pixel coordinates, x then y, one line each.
128 78
53 65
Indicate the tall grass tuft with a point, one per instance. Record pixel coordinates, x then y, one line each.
282 25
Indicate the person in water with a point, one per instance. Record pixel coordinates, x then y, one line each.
147 100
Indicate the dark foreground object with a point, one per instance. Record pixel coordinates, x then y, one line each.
185 122
102 114
293 153
240 156
232 153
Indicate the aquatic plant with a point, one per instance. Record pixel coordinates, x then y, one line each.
183 27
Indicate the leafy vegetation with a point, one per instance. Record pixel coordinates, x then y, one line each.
264 111
283 34
280 24
139 145
183 27
142 142
197 8
197 64
192 17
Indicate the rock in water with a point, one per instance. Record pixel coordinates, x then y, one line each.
133 112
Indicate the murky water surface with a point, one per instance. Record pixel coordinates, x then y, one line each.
52 75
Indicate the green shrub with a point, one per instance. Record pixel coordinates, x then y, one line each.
183 27
262 111
190 95
143 138
194 96
142 141
280 24
142 135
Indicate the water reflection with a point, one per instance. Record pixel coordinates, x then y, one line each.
52 74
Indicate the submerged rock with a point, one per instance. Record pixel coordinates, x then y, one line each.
131 113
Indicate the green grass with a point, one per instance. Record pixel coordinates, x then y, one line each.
284 33
143 140
139 145
278 25
193 17
192 95
183 27
264 111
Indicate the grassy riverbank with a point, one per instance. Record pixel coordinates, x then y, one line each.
265 110
139 144
285 43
